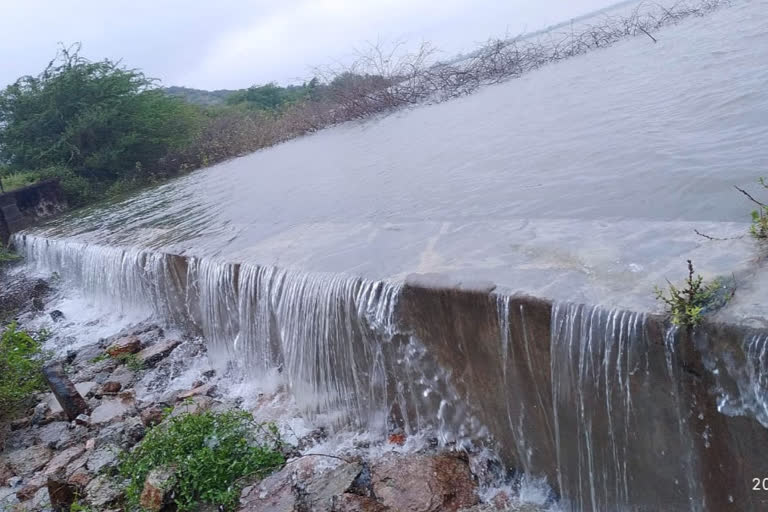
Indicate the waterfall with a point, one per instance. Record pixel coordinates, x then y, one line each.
335 339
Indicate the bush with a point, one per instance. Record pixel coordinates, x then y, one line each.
687 306
21 363
210 453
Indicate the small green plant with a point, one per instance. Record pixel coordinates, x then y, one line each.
759 227
211 453
7 256
131 361
21 362
100 358
686 306
78 507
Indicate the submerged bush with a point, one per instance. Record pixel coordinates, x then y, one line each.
21 363
686 306
208 452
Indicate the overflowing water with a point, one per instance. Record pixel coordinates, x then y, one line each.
582 182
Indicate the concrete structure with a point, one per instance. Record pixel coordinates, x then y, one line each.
22 207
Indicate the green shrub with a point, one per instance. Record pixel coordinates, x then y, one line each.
6 255
686 306
210 452
21 362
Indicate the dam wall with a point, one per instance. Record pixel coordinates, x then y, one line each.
616 408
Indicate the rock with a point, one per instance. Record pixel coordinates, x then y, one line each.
30 488
134 431
56 315
27 461
83 420
355 503
62 459
66 394
125 345
61 494
81 477
110 410
84 388
87 354
111 387
397 438
157 489
20 423
424 483
154 353
102 491
194 405
274 493
6 473
39 414
320 492
152 415
40 500
102 457
204 390
125 376
54 433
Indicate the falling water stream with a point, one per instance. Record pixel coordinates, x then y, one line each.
580 183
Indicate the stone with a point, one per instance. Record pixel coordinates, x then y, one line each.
102 457
194 405
39 414
152 416
87 354
40 500
110 410
354 503
424 483
274 493
66 393
124 345
83 420
56 315
111 387
6 473
81 477
27 461
54 433
157 489
62 459
30 488
103 491
204 390
124 376
320 491
90 444
134 431
20 423
151 355
61 494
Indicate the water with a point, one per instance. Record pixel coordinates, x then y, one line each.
582 181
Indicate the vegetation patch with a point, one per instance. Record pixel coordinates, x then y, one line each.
21 362
7 256
687 306
759 227
211 454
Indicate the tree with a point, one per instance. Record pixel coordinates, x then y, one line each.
100 120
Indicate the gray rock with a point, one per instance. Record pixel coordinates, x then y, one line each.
110 410
103 491
62 459
87 354
124 345
54 433
124 376
102 457
40 501
320 492
157 489
27 461
154 353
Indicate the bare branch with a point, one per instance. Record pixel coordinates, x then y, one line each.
762 205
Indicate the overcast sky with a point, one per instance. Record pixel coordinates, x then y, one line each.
236 43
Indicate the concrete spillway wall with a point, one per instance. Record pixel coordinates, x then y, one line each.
617 409
22 207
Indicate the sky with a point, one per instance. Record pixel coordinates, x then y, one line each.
231 44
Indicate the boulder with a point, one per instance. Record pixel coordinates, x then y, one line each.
202 390
103 491
152 415
61 494
62 459
354 503
54 433
27 461
102 457
124 345
154 353
6 473
319 492
110 410
194 405
124 376
81 477
157 489
111 387
423 483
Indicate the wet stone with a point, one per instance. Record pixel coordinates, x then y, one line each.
151 355
110 410
102 457
103 491
27 461
125 345
157 489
